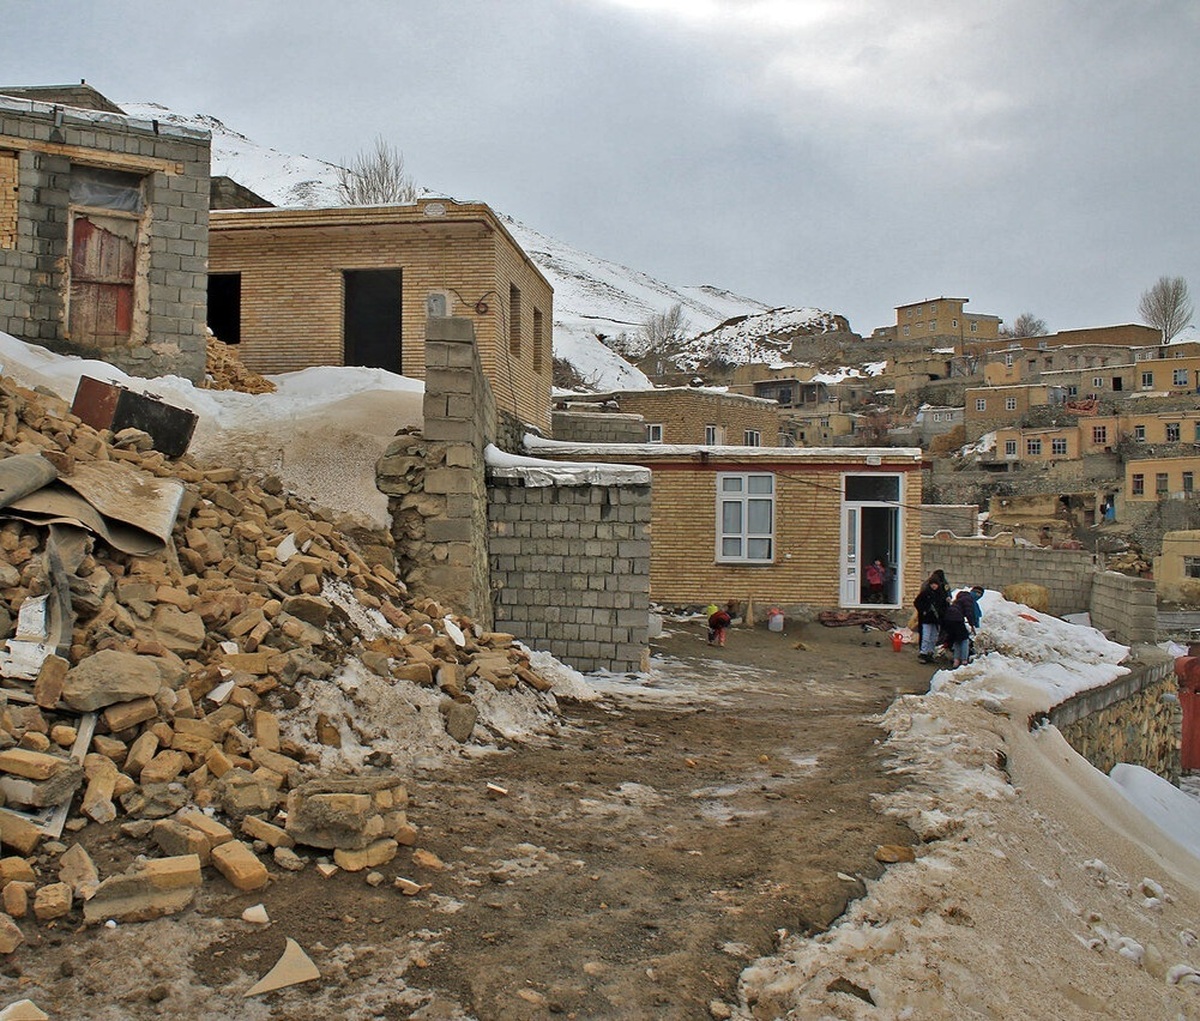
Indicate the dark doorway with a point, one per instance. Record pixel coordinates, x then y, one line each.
371 320
225 306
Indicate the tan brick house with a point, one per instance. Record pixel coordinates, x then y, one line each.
294 288
682 414
776 525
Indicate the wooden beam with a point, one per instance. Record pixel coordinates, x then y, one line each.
92 157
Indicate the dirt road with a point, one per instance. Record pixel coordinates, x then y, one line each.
639 859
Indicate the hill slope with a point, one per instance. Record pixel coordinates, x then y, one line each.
593 297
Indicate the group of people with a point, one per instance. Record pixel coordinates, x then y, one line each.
947 620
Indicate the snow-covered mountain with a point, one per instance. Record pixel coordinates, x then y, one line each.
593 297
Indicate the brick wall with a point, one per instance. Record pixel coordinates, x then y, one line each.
564 567
597 427
170 292
1125 607
1066 574
434 479
291 264
10 171
960 518
571 570
685 413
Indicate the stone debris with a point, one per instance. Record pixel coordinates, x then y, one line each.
165 711
292 968
23 1010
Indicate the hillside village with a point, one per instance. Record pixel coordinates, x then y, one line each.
770 454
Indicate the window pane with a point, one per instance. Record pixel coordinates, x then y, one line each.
760 484
106 189
872 487
758 517
731 547
732 483
731 518
758 549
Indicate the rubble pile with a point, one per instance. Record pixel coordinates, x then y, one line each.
164 710
224 371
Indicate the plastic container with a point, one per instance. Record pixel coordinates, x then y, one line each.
774 619
897 641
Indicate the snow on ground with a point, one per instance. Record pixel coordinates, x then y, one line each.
1042 888
321 432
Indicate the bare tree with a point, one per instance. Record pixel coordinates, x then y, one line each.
376 178
1167 306
669 327
1025 325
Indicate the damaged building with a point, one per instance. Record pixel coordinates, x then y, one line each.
103 231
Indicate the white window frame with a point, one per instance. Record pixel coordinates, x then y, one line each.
981 404
1033 446
1139 433
1179 377
1010 404
654 432
1147 380
1010 448
712 435
1100 434
741 541
751 438
1058 446
1174 431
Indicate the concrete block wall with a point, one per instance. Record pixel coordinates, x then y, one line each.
1135 719
170 293
597 427
571 570
1125 607
1067 575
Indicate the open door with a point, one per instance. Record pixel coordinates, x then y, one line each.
371 318
871 530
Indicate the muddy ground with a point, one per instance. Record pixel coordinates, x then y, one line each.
639 859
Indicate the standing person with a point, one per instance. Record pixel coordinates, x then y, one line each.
930 604
718 624
876 577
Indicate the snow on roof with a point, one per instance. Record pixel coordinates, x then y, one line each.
538 472
655 451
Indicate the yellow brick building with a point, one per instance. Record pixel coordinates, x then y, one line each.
693 415
782 526
294 288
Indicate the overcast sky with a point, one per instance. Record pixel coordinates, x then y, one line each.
853 154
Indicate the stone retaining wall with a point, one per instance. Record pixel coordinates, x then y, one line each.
1135 719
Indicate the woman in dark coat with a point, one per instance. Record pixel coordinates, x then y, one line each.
930 604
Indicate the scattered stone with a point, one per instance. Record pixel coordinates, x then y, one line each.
76 869
152 889
240 865
292 968
52 901
23 1010
889 854
288 859
256 915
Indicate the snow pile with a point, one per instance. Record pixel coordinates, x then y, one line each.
321 431
1040 888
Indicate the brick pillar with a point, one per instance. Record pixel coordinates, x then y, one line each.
435 481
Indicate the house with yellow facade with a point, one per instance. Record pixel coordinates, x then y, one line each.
783 526
294 288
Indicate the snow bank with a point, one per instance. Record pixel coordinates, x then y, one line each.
1039 888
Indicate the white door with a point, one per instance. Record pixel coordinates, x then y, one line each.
871 529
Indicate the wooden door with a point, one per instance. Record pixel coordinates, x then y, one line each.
103 269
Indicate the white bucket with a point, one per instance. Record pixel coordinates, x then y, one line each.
775 621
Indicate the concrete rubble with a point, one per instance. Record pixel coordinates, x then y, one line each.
164 717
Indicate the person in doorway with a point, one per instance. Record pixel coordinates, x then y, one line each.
876 576
930 604
718 623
